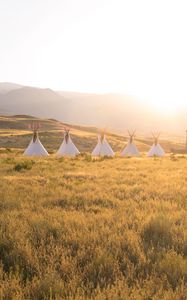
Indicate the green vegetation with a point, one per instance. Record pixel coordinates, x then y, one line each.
24 165
93 229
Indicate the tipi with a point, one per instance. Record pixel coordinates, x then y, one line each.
103 148
97 149
35 147
156 149
130 149
67 147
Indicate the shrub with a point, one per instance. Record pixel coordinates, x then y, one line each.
9 160
61 159
173 157
5 150
88 158
25 165
157 232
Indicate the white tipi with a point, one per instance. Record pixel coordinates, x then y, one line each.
103 148
97 149
67 147
35 147
156 149
130 149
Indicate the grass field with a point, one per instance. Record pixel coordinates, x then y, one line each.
83 229
88 228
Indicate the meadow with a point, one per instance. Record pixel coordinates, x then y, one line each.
93 229
84 228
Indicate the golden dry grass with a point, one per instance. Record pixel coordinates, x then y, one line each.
93 229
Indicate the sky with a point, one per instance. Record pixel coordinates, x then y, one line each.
136 47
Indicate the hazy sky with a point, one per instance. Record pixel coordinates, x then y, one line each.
125 46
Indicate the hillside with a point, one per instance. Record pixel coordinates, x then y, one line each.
6 87
15 133
33 101
114 111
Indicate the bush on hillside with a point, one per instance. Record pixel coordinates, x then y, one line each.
25 165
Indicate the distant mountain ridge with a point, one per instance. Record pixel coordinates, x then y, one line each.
112 111
6 87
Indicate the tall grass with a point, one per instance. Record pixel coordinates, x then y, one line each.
93 229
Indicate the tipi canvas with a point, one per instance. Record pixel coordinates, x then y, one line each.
103 148
130 149
156 149
97 149
35 147
67 147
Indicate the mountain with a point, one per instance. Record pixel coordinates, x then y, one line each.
112 111
35 101
6 87
88 109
